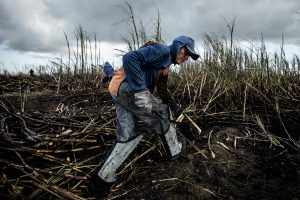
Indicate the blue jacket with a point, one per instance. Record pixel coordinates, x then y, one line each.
109 70
142 65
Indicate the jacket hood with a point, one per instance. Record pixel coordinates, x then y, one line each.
106 64
183 41
174 49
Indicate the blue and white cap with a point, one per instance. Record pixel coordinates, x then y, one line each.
189 44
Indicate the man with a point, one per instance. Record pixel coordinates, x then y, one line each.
131 88
109 71
31 72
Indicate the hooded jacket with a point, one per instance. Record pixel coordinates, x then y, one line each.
146 68
143 65
109 70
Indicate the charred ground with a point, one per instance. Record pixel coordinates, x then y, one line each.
72 132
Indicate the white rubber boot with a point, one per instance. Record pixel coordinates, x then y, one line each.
171 143
117 156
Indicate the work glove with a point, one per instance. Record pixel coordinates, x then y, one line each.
143 101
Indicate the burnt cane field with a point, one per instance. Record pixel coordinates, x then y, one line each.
241 124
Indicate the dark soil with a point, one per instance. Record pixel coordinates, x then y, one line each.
241 168
252 170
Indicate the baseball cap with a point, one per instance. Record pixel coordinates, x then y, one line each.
189 44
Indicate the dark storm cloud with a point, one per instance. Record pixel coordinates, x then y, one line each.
24 27
38 25
270 18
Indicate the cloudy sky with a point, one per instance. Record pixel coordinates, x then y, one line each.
32 31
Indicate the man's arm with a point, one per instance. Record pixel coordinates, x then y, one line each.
163 92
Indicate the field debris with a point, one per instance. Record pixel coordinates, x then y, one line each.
51 144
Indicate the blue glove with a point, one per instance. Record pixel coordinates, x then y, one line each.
143 101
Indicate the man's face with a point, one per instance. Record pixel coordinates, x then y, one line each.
182 55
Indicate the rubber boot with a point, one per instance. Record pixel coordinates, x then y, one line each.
172 146
117 156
